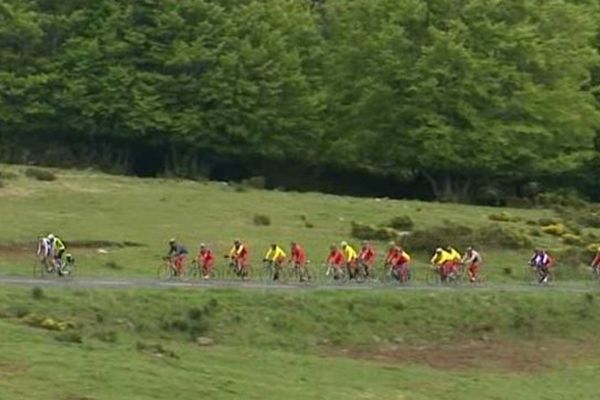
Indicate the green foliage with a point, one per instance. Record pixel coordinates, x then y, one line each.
261 220
40 174
555 229
403 222
255 182
371 232
572 239
37 293
503 217
407 89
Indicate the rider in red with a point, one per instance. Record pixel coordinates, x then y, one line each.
367 257
299 260
596 262
297 255
391 255
335 259
206 260
239 256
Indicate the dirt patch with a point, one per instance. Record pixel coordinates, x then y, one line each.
10 368
503 356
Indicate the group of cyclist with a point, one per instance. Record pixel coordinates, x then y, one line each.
50 252
345 262
342 262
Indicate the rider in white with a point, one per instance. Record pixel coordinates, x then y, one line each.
44 249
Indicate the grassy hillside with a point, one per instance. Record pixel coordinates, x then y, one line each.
87 206
318 345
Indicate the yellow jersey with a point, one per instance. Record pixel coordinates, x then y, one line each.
274 254
350 254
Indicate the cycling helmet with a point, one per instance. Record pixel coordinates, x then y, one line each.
344 244
172 240
51 236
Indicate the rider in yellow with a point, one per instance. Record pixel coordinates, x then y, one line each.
456 256
351 258
441 257
275 254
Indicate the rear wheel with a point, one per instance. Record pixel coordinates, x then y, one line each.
164 272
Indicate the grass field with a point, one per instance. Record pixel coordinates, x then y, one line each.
88 206
314 345
83 344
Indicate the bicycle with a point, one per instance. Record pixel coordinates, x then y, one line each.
335 272
542 274
596 273
299 272
168 271
401 273
43 267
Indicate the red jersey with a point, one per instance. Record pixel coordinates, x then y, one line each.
367 255
206 257
298 255
336 257
391 256
596 261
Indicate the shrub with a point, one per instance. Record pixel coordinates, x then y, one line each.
309 225
535 232
255 182
503 217
518 202
372 232
40 174
261 220
555 229
107 336
403 222
590 220
573 240
8 175
548 221
427 240
69 337
37 293
498 236
507 271
573 256
553 200
113 265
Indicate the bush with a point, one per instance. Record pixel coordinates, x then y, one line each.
403 222
107 336
427 240
553 200
69 337
503 217
548 221
497 236
261 220
574 256
309 225
555 229
372 232
535 232
6 175
255 182
518 202
113 265
573 240
589 220
37 293
40 174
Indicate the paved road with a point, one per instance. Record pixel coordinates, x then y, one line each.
141 283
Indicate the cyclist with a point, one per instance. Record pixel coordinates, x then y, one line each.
400 264
206 260
298 260
443 262
542 262
391 255
177 254
58 249
335 262
239 257
472 259
366 258
275 256
350 258
596 262
44 252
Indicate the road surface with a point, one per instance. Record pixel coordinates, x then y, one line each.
145 283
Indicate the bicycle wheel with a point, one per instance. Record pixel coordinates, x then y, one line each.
39 270
68 271
432 277
164 272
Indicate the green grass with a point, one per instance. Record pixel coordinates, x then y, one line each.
84 205
272 345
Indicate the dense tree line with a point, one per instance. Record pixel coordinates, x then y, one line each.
452 99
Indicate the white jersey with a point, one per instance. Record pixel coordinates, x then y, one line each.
474 257
44 247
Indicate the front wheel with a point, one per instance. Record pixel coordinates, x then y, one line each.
164 272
